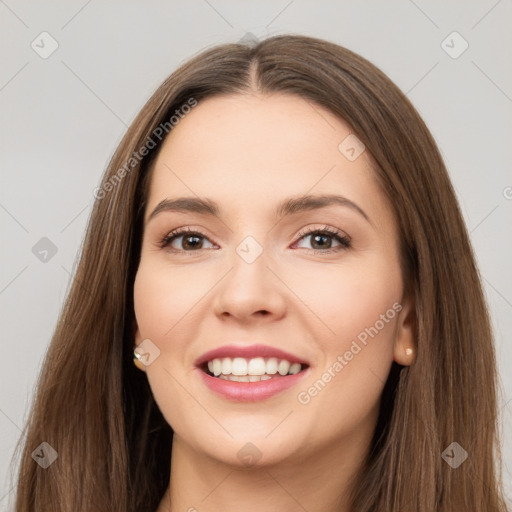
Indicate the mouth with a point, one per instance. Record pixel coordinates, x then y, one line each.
250 373
256 369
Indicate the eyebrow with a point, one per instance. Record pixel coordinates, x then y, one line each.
290 206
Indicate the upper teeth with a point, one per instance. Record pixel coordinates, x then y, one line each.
255 366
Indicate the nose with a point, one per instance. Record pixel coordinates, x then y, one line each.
250 291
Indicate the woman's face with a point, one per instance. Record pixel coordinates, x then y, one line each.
261 275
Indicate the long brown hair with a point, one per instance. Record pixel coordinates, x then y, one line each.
97 410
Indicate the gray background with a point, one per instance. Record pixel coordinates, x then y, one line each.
64 115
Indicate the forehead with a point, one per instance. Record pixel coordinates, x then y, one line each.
248 152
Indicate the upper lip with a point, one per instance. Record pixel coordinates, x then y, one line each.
248 352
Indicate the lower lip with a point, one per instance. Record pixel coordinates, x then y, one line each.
250 391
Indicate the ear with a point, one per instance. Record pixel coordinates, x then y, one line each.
404 348
137 340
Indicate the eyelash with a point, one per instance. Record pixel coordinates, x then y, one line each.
344 240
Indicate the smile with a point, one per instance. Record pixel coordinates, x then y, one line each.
248 374
240 369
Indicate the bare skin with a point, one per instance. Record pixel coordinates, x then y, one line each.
248 153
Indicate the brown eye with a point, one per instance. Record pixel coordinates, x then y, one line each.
321 240
191 240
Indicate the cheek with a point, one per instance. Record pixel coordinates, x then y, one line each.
344 391
350 298
159 304
163 296
150 303
361 305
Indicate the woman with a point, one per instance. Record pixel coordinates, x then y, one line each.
277 247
